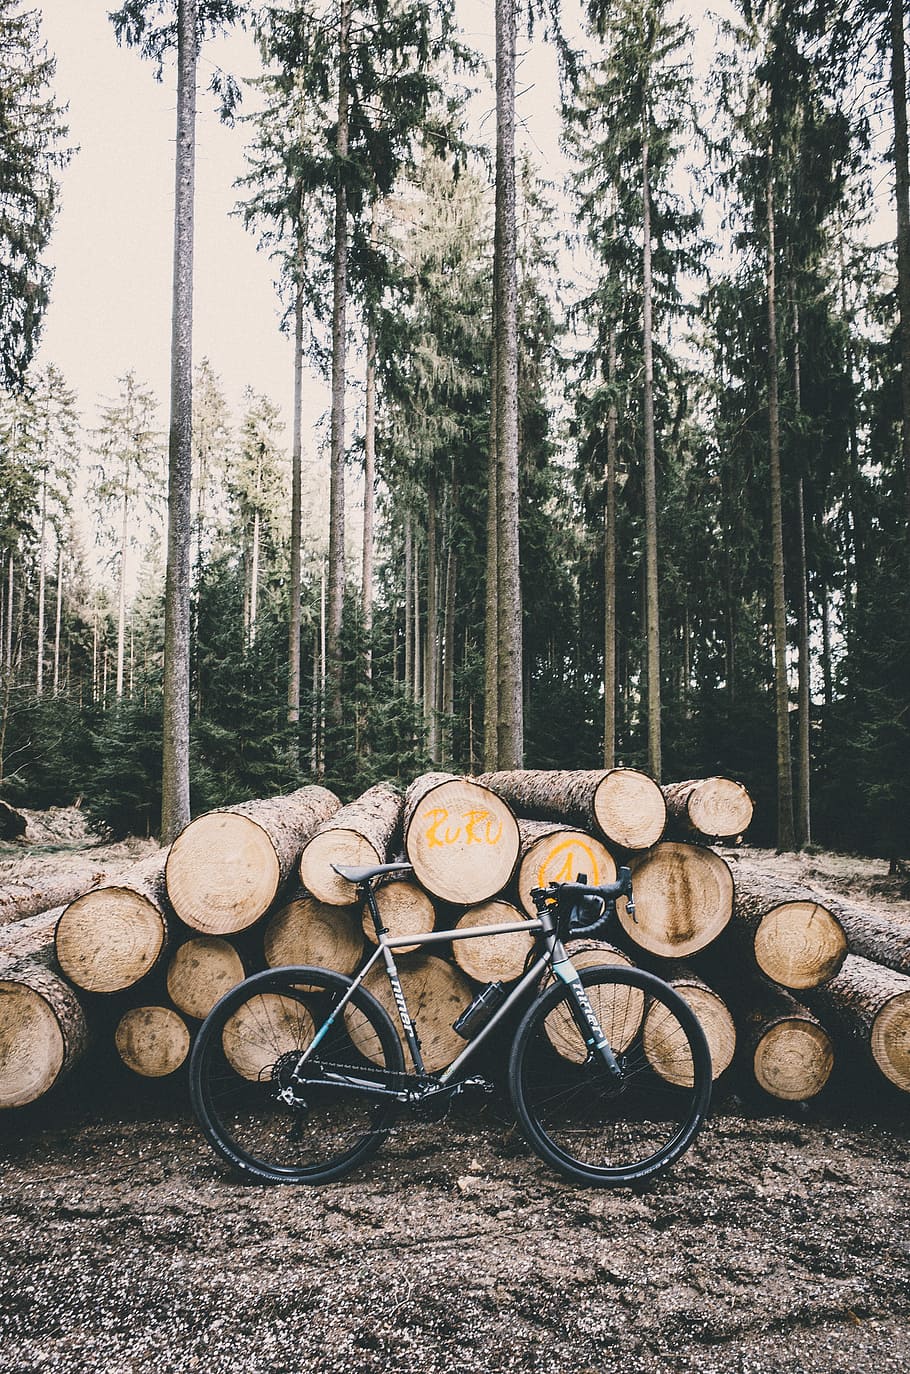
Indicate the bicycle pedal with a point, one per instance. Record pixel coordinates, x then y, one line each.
483 1084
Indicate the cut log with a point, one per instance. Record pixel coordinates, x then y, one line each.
19 900
873 935
110 938
619 1007
872 1004
554 853
312 933
714 1017
436 994
226 868
789 1050
707 808
461 838
152 1041
363 833
200 972
625 806
43 1030
405 910
794 939
263 1028
493 958
683 899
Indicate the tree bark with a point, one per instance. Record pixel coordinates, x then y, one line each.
610 564
510 732
902 198
26 898
339 342
788 1049
296 532
786 838
42 540
58 618
429 698
787 929
872 1006
369 503
43 1030
175 799
491 602
652 603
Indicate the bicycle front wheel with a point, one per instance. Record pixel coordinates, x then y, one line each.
591 1125
288 1086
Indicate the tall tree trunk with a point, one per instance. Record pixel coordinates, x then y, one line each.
10 603
339 327
610 565
902 197
448 671
408 609
511 722
803 816
39 675
175 796
652 604
785 827
491 603
417 657
58 618
369 504
429 699
121 588
254 577
296 513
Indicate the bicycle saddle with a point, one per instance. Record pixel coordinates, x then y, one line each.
366 875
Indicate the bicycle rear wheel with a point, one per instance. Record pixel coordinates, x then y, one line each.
584 1122
275 1116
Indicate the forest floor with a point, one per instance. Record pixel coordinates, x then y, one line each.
780 1244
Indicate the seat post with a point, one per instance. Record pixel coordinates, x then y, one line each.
367 889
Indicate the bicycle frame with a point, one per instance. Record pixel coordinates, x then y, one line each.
554 956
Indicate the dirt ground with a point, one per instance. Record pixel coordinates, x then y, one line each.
780 1244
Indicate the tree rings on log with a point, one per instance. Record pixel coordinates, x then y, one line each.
42 1032
873 1004
619 1006
110 938
625 805
799 944
261 1030
668 1054
405 909
200 972
552 853
793 1058
359 835
436 994
152 1041
683 899
224 870
312 933
493 958
461 838
716 808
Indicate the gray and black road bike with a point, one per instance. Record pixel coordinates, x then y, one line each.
297 1073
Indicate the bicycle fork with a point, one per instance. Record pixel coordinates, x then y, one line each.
585 1017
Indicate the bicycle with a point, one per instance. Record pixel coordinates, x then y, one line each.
297 1073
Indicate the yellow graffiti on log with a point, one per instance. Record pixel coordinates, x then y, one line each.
480 827
579 858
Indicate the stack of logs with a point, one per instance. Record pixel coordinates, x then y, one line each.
782 980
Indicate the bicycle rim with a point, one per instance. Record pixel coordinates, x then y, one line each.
584 1122
267 1112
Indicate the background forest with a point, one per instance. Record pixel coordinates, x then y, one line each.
708 384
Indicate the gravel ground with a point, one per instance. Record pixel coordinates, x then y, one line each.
776 1245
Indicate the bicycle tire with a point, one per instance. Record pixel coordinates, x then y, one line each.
575 1115
245 1053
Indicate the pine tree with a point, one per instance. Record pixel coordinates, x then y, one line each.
34 138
